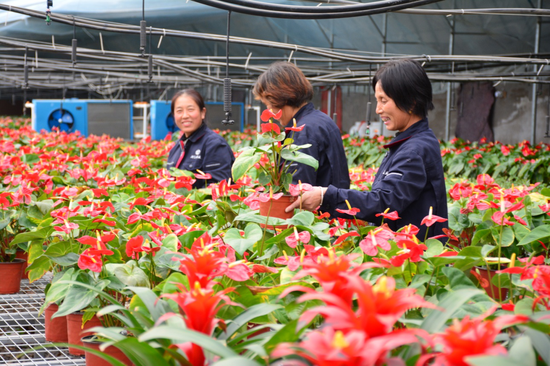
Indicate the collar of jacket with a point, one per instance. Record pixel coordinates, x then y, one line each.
401 137
303 111
195 136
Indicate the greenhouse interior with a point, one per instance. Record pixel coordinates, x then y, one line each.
288 183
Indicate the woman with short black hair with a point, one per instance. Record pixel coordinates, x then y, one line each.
410 178
199 149
284 87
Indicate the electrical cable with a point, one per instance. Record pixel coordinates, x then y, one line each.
387 6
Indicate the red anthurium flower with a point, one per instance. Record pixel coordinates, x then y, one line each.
500 218
98 242
98 192
432 219
407 232
485 181
293 239
134 246
470 337
520 220
265 197
352 211
268 127
260 268
67 227
310 255
297 189
106 222
202 175
377 238
239 271
295 128
91 259
390 216
411 251
267 114
184 182
141 201
293 262
459 190
343 237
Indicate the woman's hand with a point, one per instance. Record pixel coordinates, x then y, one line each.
309 200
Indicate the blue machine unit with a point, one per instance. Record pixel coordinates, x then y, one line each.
163 122
88 116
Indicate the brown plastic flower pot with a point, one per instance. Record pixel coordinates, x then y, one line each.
56 328
75 330
93 360
10 273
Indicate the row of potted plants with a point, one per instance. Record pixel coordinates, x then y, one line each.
196 277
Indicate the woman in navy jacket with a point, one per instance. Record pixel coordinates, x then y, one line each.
199 149
410 179
284 87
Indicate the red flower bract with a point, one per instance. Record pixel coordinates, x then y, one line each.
267 114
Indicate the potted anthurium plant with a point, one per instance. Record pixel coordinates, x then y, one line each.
13 220
273 157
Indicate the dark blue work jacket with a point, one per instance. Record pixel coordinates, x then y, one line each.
409 181
206 151
326 146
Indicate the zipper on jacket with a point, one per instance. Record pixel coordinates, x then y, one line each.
386 173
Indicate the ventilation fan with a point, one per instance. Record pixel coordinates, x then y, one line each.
171 123
61 119
87 116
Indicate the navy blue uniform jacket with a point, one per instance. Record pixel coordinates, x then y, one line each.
326 146
206 151
409 181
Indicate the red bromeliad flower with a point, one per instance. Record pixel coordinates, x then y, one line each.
205 263
379 307
332 272
472 337
378 237
432 219
330 347
199 307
